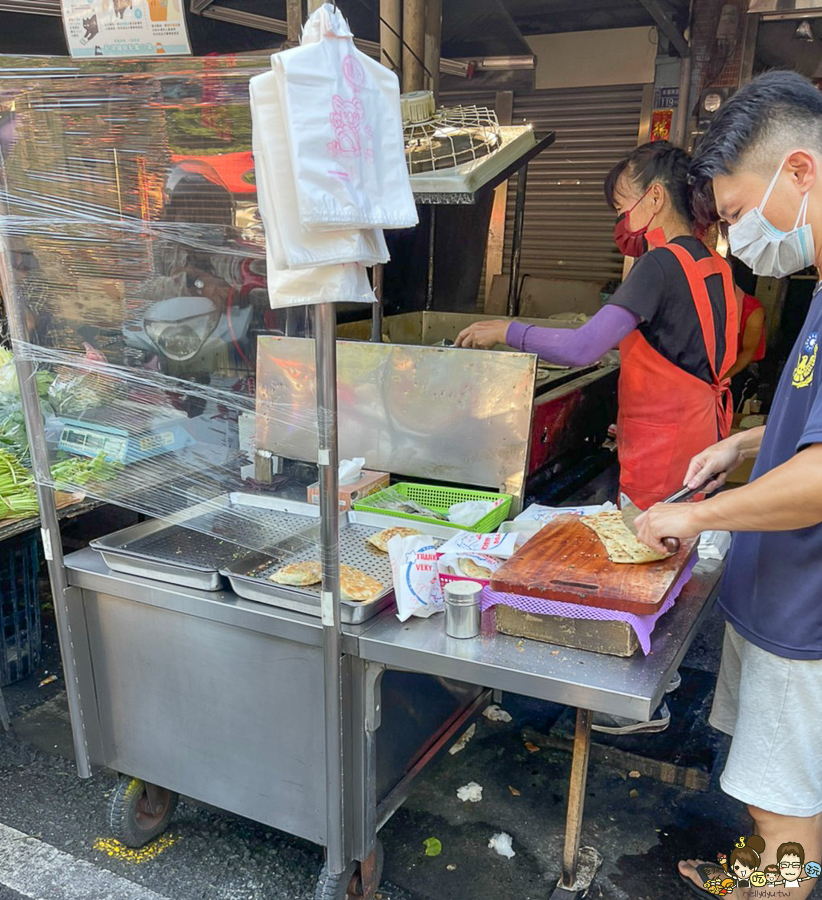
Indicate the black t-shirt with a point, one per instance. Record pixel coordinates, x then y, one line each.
656 290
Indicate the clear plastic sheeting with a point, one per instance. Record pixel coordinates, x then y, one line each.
133 263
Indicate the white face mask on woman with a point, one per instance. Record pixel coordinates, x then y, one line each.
768 251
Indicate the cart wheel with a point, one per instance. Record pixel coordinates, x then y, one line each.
348 886
138 813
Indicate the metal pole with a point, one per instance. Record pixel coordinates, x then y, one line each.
516 242
390 30
683 107
5 718
413 51
325 343
49 522
432 244
378 308
295 16
433 42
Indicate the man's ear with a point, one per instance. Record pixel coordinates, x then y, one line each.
803 168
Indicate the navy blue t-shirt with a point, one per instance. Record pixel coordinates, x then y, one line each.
772 590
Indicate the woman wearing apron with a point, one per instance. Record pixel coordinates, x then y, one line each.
674 320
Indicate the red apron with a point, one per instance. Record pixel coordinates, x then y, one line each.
666 415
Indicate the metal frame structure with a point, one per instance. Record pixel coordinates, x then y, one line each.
93 605
116 631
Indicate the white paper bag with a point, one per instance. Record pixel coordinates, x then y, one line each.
287 245
417 588
344 125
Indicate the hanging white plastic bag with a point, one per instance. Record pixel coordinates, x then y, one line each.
417 587
287 245
327 284
342 112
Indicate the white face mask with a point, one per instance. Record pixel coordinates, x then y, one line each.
768 251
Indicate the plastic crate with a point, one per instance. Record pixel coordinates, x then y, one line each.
20 632
440 500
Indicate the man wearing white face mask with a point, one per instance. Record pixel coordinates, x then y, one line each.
759 168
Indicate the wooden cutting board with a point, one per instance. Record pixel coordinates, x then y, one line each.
566 561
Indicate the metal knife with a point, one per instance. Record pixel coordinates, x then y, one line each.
630 511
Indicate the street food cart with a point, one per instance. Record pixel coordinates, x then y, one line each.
187 670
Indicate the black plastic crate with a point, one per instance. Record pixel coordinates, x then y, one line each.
20 630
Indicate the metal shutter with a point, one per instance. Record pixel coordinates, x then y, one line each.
568 227
36 7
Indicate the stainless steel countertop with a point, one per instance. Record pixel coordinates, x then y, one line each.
86 569
629 687
626 687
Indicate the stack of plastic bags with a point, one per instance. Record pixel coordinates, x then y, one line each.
330 165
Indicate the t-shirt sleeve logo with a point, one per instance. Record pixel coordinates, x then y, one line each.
803 373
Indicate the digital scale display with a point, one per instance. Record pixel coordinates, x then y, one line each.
83 439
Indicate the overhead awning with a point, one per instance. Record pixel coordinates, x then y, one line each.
786 9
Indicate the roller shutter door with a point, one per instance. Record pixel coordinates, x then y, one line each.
568 227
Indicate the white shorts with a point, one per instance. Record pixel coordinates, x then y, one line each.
772 707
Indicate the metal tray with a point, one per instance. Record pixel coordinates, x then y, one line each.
249 577
185 549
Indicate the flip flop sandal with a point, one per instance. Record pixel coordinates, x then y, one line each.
707 872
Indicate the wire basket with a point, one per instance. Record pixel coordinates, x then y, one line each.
452 137
438 500
20 630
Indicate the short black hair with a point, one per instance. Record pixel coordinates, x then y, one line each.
658 162
776 107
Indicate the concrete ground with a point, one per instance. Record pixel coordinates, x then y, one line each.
639 825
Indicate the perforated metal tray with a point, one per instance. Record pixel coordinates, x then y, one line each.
249 577
187 549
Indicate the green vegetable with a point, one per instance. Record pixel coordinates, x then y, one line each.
17 497
433 846
17 491
77 471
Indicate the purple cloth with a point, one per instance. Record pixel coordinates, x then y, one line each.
575 346
643 625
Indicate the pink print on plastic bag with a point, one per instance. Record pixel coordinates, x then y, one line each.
347 116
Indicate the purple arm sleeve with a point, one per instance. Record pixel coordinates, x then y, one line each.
575 346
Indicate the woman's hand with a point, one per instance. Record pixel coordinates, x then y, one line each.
483 335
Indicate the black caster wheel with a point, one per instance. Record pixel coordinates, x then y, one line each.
139 812
349 885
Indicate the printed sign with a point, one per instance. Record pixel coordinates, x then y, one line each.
666 98
125 28
661 124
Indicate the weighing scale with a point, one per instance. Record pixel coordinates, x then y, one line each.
141 437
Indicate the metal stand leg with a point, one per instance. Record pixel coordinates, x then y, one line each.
378 308
5 718
325 336
49 522
579 864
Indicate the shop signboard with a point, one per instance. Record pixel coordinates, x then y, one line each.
125 28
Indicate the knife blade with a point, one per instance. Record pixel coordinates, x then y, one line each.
630 511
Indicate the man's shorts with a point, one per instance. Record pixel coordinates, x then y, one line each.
772 707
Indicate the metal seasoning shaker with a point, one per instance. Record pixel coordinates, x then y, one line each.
462 609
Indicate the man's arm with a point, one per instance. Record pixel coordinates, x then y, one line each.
787 498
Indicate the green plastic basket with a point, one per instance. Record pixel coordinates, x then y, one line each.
438 499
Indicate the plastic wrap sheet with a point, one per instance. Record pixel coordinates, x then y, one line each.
133 263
